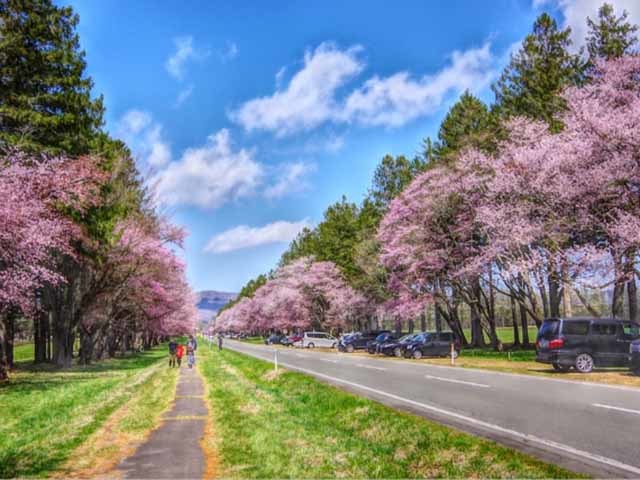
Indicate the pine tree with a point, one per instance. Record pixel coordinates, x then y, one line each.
45 95
542 68
610 36
467 124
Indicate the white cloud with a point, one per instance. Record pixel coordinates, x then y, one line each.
209 176
231 52
575 13
291 178
398 99
184 95
244 236
310 98
144 137
184 53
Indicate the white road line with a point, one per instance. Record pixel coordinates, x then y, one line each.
442 379
370 367
619 409
327 360
473 421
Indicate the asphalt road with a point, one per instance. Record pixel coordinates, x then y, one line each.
586 427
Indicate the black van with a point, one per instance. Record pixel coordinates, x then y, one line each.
585 343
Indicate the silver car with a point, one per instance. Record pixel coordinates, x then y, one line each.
318 339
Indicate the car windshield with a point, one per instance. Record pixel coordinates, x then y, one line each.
631 330
381 337
549 329
406 338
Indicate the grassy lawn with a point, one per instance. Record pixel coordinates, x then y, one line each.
23 352
505 334
48 414
291 425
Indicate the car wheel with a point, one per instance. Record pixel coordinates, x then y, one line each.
310 345
333 345
561 368
349 348
584 363
397 352
417 354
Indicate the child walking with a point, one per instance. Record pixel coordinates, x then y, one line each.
179 354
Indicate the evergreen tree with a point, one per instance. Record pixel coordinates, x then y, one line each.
391 176
531 83
467 124
45 96
610 36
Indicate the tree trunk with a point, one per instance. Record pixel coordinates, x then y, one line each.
554 292
411 327
525 326
9 333
632 289
4 367
423 322
514 321
437 318
398 326
617 302
566 293
40 337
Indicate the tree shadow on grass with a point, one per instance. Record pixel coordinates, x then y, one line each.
48 376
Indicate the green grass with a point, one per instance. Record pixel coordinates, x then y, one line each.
505 334
256 340
47 413
293 426
23 352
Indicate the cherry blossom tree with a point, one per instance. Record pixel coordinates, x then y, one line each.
302 295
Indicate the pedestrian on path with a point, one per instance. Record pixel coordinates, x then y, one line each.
219 341
192 346
180 354
173 346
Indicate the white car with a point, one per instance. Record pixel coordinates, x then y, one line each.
318 339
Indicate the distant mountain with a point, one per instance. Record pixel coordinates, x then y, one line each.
209 302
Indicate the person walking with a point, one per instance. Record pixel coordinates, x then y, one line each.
179 354
192 346
173 346
219 341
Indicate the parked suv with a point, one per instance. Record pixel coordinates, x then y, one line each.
397 348
375 345
432 344
634 351
357 340
585 343
318 339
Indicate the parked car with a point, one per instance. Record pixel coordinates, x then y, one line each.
358 340
318 339
294 340
432 344
275 339
382 339
397 348
634 362
585 343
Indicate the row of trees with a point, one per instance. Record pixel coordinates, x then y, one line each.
84 258
302 295
523 209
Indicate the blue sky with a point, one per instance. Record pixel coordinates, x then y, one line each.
250 118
